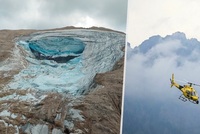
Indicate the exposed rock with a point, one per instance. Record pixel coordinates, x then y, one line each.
98 110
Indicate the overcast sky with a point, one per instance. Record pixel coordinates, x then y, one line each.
162 17
147 85
43 14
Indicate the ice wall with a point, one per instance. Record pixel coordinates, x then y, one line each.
91 51
59 49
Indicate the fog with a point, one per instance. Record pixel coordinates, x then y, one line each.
150 102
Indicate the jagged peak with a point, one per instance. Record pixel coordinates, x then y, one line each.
153 41
177 35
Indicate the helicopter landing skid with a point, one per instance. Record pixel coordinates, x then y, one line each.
193 101
182 98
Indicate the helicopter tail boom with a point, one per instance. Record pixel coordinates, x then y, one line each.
175 84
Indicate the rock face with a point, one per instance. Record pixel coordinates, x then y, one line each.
61 81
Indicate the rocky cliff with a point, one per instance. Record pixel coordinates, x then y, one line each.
66 80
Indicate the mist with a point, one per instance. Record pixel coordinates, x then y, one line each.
150 104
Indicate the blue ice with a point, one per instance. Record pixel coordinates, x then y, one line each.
48 75
52 46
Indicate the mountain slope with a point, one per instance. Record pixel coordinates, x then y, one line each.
31 102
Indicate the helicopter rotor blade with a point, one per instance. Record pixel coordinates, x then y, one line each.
186 82
180 81
192 83
195 84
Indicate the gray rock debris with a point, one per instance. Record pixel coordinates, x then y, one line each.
38 129
56 131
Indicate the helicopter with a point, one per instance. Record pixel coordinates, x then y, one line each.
188 91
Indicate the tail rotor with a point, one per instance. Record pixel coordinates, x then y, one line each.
172 80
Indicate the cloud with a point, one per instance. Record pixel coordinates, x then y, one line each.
147 84
154 68
153 17
60 13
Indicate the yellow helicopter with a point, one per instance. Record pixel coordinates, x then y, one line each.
188 91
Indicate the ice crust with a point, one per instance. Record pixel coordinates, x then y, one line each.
100 51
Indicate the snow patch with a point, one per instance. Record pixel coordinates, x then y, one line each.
6 124
69 124
5 113
28 97
75 114
13 115
77 131
17 129
23 117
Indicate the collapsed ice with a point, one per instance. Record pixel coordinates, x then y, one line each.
59 49
67 60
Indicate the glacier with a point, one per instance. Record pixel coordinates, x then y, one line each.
66 61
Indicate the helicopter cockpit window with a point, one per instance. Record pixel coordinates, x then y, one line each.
188 92
193 93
